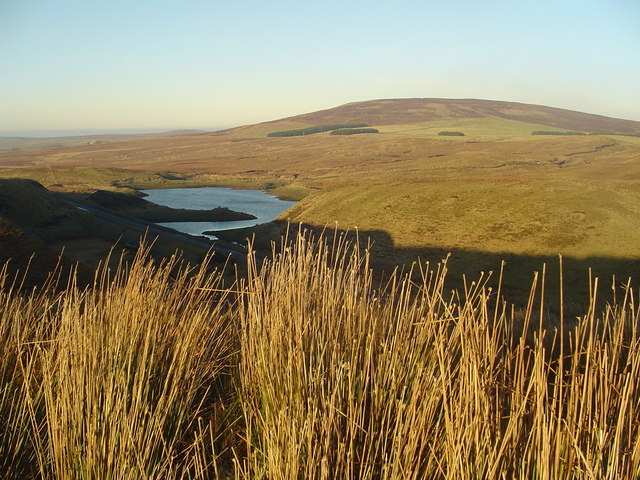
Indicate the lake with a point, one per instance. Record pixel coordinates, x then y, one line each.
264 206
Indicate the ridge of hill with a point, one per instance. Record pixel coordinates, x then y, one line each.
417 110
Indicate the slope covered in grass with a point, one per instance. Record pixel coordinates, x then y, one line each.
512 215
496 192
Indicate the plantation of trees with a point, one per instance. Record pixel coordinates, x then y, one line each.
543 132
451 134
353 131
317 129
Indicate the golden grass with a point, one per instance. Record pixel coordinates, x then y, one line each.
304 369
115 381
474 127
520 216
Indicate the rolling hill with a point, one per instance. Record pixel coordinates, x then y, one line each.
216 376
425 110
497 192
430 377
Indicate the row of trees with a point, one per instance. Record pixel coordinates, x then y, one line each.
451 134
544 132
317 129
353 131
355 128
614 133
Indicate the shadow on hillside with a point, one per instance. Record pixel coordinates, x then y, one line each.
612 274
47 223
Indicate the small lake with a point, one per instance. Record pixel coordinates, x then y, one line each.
264 206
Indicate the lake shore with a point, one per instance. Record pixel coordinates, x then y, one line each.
142 209
263 207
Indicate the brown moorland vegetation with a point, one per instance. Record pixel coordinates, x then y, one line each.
324 361
496 192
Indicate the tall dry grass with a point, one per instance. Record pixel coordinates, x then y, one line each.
116 381
304 370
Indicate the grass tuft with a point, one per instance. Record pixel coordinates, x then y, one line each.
307 369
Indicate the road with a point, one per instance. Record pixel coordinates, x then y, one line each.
153 229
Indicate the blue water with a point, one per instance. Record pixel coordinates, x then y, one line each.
264 206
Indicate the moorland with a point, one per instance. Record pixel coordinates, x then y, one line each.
354 351
523 183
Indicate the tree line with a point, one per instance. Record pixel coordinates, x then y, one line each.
451 134
317 129
353 131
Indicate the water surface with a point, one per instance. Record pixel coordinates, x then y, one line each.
264 206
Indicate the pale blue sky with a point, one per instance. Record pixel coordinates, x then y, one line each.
88 64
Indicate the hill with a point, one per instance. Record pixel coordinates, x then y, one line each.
40 230
497 192
421 110
32 221
35 210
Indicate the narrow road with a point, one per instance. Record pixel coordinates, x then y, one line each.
159 230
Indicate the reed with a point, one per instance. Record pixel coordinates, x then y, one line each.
305 368
340 381
117 380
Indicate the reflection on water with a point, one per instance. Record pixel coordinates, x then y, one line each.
264 206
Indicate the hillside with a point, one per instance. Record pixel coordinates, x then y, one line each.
40 229
496 192
32 221
420 110
35 210
329 358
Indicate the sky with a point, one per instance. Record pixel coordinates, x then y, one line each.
159 65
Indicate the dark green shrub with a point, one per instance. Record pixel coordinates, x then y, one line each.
451 134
